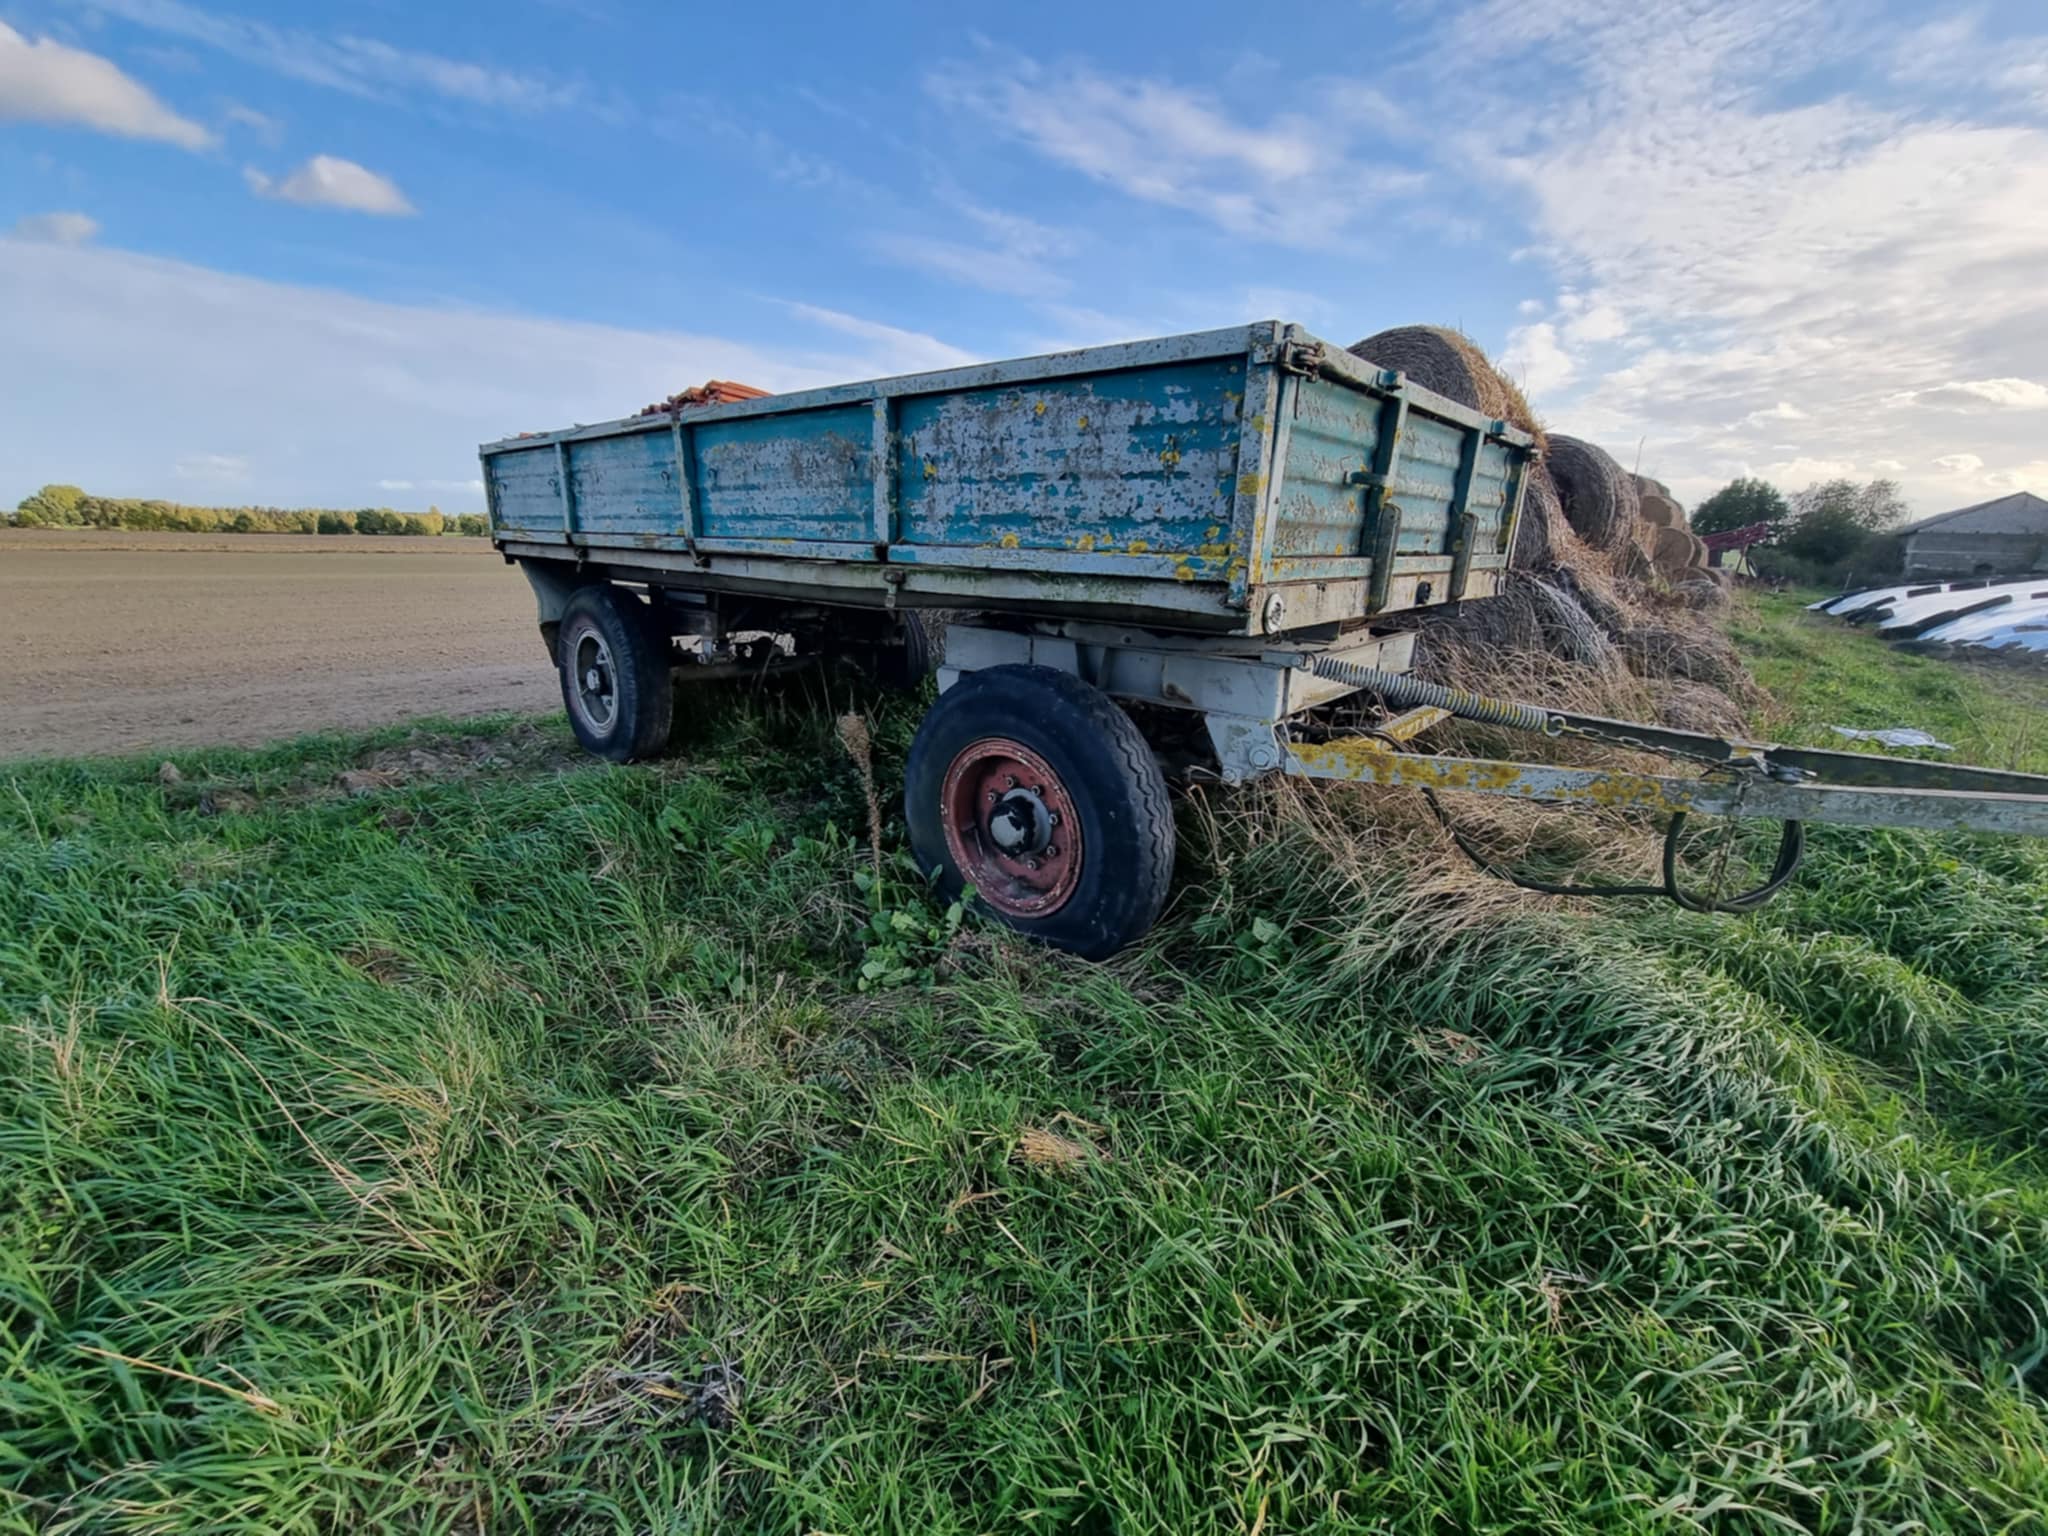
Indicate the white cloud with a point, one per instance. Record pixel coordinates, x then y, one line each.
898 351
2031 476
327 181
1784 410
394 485
219 467
412 387
1015 255
1959 463
1290 179
1764 246
1975 394
262 124
55 228
46 81
361 66
1534 358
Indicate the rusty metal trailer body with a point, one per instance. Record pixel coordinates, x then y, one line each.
1217 525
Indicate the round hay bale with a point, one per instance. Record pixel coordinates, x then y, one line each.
1568 629
1645 486
1720 576
1696 707
1659 511
1453 365
1694 654
1600 501
1696 553
1699 593
1634 565
1507 621
1603 605
1671 552
1537 533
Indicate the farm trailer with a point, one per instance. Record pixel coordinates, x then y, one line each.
1214 527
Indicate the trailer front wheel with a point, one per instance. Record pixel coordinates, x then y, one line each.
613 659
1034 788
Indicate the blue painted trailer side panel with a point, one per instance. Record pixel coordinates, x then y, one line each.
624 484
1134 462
805 476
525 493
1323 500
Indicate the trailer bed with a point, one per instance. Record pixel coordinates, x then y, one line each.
1243 481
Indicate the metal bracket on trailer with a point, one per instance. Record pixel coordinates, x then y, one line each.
2019 805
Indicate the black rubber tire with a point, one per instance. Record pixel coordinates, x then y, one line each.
1117 788
643 707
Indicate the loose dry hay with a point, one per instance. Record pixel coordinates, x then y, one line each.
1689 706
1599 496
1048 1149
1700 592
1695 653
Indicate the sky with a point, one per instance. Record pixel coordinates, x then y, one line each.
306 254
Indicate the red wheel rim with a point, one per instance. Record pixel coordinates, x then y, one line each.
1011 827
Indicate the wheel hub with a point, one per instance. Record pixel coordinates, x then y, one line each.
1011 827
597 694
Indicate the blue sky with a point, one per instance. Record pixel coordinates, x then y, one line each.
313 254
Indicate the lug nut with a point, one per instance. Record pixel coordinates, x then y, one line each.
1031 863
1052 850
1009 781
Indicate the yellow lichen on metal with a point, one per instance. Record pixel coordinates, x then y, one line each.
931 470
1085 543
1137 547
1038 409
1169 456
1250 485
1008 541
1082 423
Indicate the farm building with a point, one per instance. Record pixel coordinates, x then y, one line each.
2006 537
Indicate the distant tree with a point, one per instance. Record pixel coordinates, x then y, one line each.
337 522
1738 504
54 506
472 525
1833 523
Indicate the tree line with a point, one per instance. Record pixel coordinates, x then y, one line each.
1827 532
66 506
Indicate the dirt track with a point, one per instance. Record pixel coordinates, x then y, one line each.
116 641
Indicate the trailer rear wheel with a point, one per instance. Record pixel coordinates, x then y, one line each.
1034 788
613 661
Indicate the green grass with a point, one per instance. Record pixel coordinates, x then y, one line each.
533 1145
1824 672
